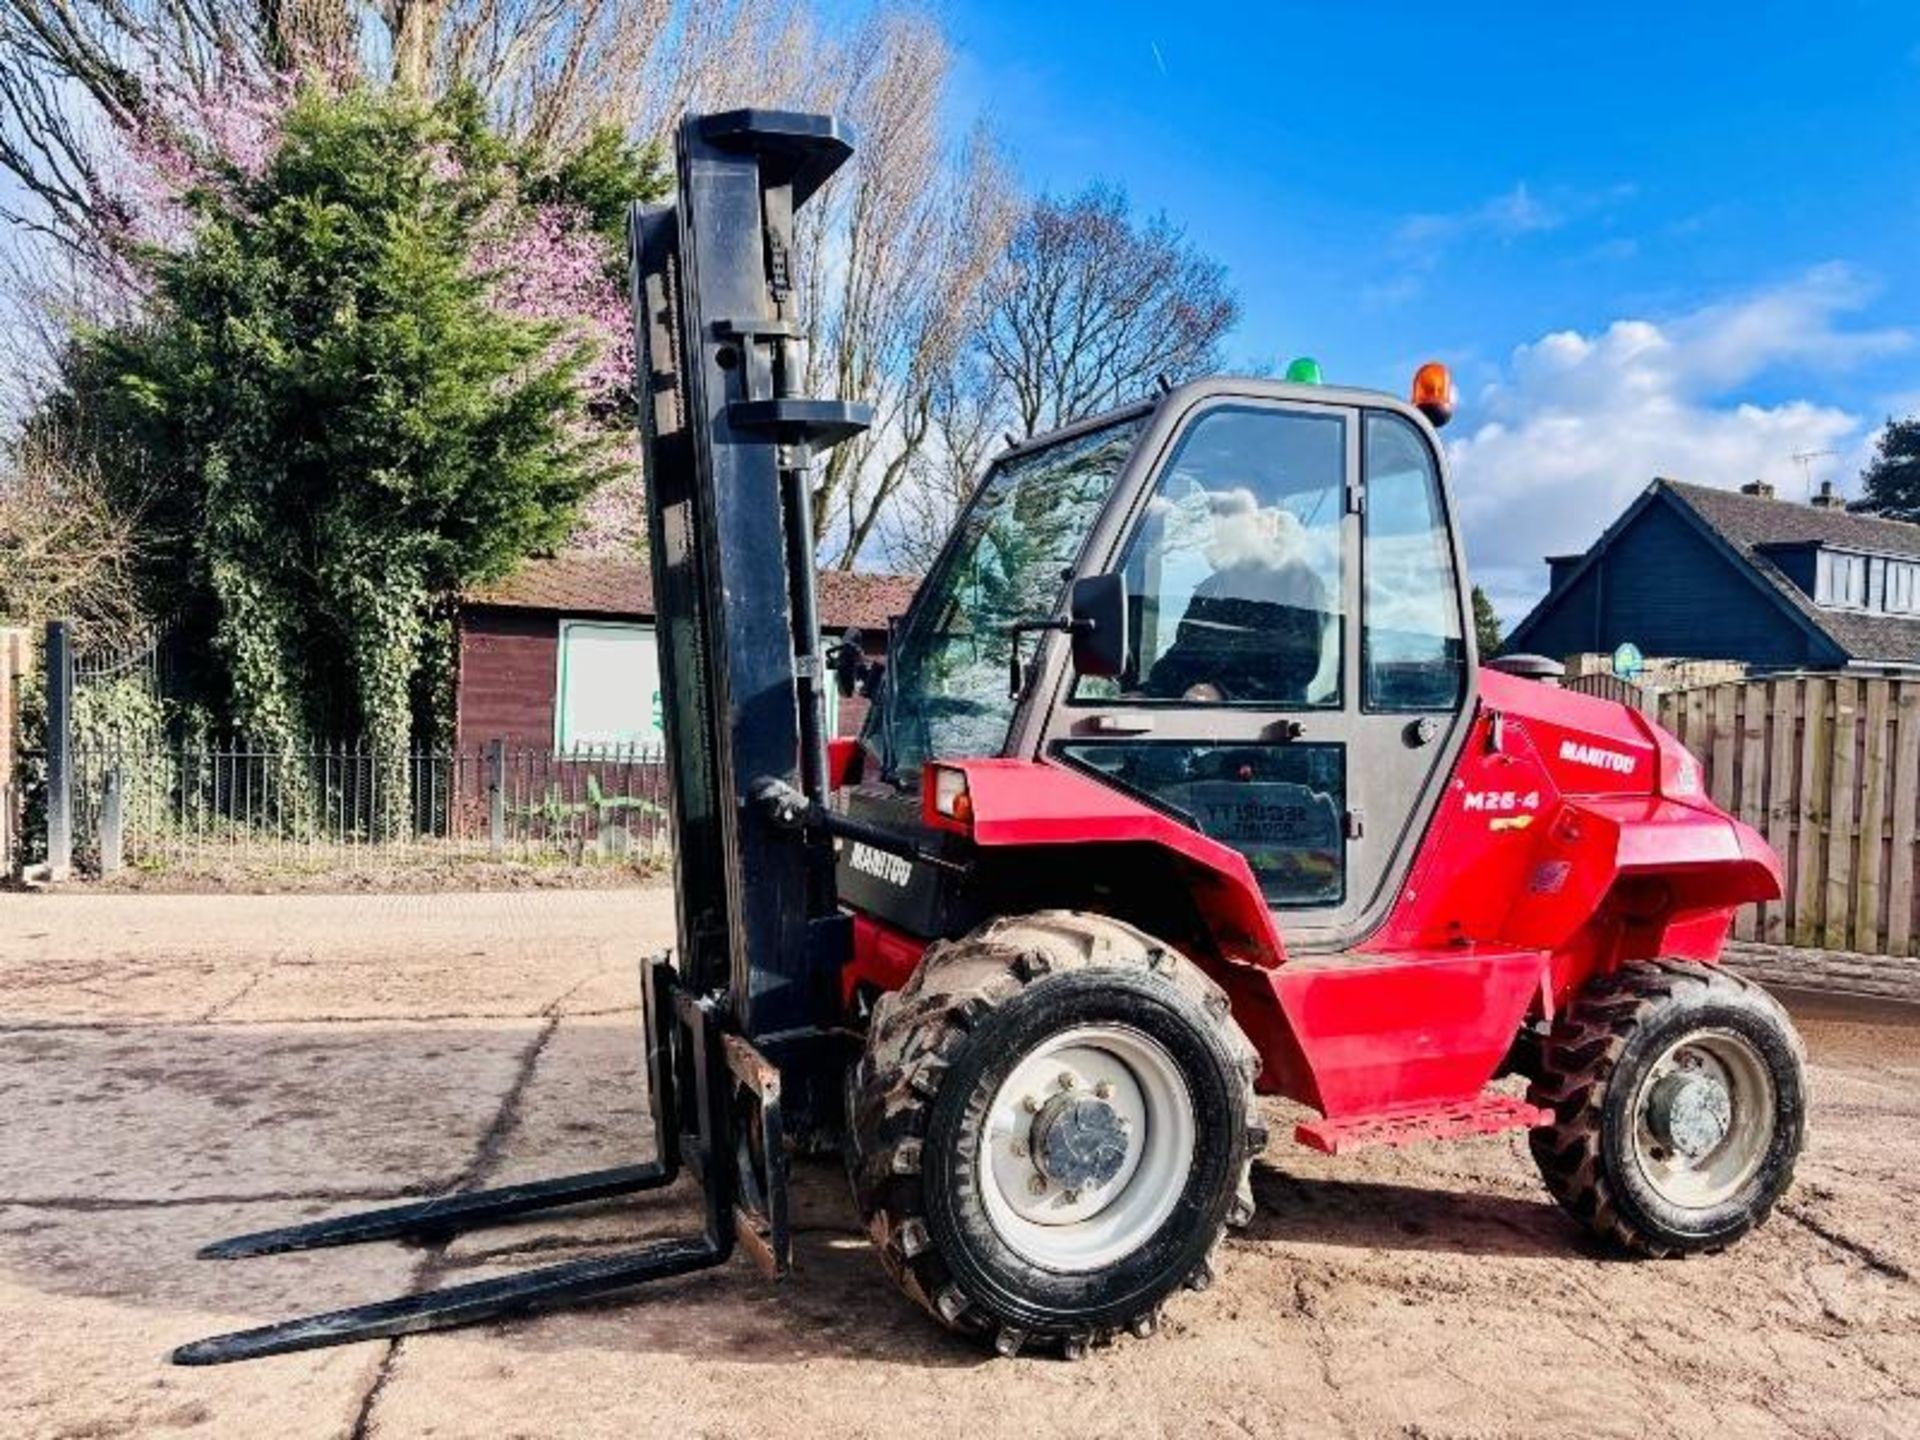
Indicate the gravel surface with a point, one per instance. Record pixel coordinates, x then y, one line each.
178 1067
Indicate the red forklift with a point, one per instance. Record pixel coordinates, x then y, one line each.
1182 784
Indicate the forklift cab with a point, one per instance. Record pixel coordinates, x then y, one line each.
1295 665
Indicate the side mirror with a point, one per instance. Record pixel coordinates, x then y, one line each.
1097 606
847 657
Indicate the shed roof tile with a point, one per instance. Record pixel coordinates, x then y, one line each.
580 584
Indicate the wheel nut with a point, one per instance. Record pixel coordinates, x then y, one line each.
1068 1080
1072 1197
1037 1185
1104 1090
1019 1147
1030 1105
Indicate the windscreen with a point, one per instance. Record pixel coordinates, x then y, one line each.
946 688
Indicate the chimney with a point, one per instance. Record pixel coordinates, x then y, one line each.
1759 488
1828 498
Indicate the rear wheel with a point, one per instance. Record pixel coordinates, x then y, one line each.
1679 1101
1052 1123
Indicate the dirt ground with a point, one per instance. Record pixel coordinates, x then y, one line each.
175 1068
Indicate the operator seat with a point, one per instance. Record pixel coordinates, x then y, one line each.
1253 633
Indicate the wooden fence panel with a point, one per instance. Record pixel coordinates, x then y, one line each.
1749 702
1816 765
1723 745
1906 781
1699 718
1782 712
1869 858
1827 768
1842 766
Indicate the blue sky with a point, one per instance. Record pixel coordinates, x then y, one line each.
1651 239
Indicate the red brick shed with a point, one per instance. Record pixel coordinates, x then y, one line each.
560 653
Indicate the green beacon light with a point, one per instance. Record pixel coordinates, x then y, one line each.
1304 371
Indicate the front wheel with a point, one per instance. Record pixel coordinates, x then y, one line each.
1679 1098
1052 1123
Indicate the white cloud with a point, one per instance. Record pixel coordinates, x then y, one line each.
1581 423
1422 241
1512 213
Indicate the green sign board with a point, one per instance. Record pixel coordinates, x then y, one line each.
1627 660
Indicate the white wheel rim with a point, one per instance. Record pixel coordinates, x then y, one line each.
1739 1080
1045 1222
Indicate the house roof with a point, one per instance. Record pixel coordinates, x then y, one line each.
1753 520
1752 524
615 585
1749 526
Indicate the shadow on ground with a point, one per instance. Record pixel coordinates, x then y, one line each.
838 1303
1382 1215
135 1145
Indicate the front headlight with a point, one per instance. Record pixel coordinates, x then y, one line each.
945 800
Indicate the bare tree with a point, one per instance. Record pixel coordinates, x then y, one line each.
554 71
65 548
90 92
1092 307
895 258
1085 311
90 87
969 418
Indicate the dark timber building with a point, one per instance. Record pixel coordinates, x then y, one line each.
1692 571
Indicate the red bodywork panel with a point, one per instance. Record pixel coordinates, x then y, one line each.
1572 835
1025 802
883 959
843 761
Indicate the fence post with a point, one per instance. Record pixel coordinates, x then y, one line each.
496 798
112 822
13 664
59 749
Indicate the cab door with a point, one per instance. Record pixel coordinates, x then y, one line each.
1299 665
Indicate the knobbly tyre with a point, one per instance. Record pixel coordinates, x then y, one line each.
1181 785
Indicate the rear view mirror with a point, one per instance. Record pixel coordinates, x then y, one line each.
845 658
1098 624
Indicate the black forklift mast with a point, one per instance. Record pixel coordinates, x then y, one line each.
728 452
741 1035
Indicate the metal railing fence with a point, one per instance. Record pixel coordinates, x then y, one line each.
164 805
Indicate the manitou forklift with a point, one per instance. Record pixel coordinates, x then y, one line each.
1180 786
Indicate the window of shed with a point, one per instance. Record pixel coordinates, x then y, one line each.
608 692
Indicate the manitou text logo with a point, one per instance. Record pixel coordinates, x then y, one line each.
894 869
1594 756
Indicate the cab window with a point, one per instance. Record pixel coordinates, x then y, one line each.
1234 573
1412 655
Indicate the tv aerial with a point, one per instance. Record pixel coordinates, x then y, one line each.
1804 459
